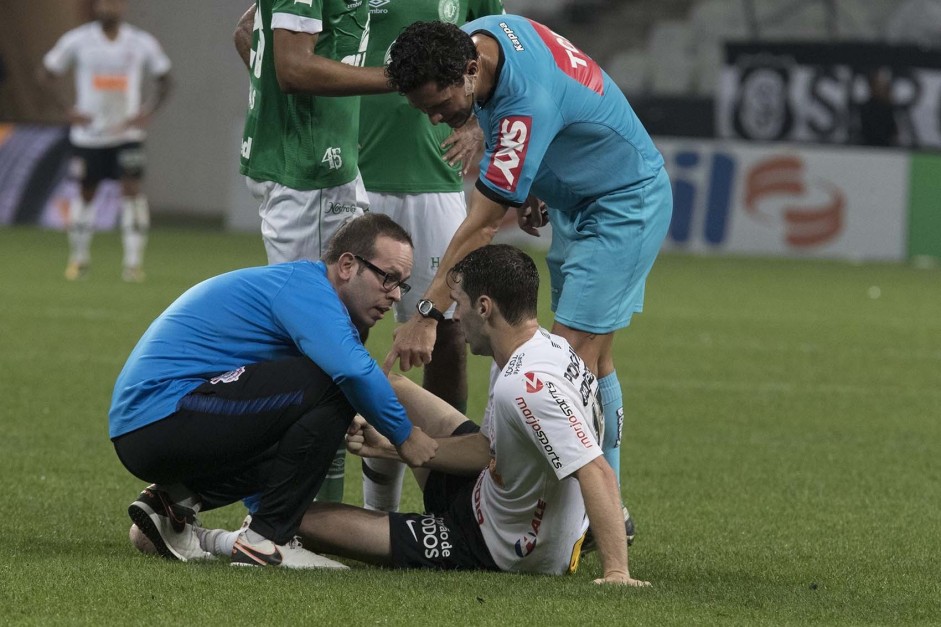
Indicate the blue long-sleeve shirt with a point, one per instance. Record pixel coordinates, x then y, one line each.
249 316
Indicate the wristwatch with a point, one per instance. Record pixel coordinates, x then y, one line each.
426 309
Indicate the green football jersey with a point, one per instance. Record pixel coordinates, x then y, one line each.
301 141
400 149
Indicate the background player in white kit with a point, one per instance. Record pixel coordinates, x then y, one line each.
111 60
516 494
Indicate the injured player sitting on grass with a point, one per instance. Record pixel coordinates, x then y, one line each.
515 494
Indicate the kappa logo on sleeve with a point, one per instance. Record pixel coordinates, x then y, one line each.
510 154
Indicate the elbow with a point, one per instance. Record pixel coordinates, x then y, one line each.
490 230
288 80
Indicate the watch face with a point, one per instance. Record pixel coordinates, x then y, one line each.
424 306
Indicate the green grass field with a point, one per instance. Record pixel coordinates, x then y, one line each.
781 456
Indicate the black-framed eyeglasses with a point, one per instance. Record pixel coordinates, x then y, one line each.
389 281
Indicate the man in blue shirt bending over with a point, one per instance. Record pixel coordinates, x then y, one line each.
246 385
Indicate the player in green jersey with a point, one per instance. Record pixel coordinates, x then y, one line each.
300 148
411 175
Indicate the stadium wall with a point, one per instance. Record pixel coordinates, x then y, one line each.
730 197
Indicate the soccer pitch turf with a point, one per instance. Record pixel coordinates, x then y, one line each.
780 455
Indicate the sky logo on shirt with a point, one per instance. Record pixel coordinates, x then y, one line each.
507 161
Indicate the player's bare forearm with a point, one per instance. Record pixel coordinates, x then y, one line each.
301 70
243 35
483 220
599 490
162 93
460 455
464 455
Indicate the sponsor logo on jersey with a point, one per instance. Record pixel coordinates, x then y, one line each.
477 509
533 384
574 370
510 154
110 82
246 148
548 336
525 545
533 422
517 46
571 60
574 422
514 365
228 377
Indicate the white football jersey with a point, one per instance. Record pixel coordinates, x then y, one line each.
108 79
543 421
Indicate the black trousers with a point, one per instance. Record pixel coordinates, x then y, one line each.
269 428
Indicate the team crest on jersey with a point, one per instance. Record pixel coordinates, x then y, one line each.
448 10
533 384
507 162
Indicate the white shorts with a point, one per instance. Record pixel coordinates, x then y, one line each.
297 224
431 219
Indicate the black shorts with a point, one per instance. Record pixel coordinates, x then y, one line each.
90 166
448 537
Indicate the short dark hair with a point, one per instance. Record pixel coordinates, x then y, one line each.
358 236
504 273
429 51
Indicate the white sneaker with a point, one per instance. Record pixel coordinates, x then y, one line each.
267 553
169 527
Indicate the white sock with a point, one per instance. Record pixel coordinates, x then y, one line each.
81 228
218 541
135 225
382 484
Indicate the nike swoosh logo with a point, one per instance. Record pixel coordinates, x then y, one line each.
262 559
411 527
